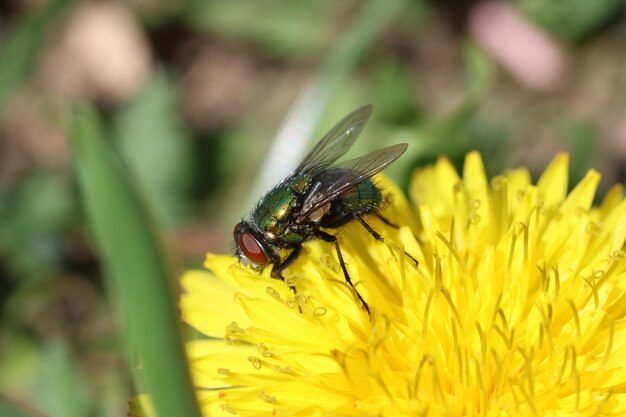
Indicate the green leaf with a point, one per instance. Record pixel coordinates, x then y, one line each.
19 53
571 20
153 142
136 266
59 390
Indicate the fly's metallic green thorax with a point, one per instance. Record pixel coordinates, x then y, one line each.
273 214
300 184
320 195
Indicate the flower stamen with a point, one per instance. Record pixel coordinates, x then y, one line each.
498 379
609 344
457 349
557 283
320 311
267 398
426 360
438 273
263 350
528 398
576 318
272 292
426 313
545 280
594 291
483 343
619 255
528 365
448 298
228 409
508 341
257 363
452 251
509 263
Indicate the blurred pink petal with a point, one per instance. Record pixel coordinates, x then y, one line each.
522 48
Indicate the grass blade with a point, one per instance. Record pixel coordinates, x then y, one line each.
136 266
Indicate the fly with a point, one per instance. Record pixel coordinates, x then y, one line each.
320 194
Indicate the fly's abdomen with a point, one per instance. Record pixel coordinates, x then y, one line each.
364 198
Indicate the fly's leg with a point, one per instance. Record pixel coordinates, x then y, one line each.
277 270
378 237
332 239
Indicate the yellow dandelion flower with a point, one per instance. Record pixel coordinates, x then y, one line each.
517 308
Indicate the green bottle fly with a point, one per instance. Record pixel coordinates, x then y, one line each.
319 194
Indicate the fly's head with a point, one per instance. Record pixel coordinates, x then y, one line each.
252 248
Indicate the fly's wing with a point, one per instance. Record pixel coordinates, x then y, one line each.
335 143
345 175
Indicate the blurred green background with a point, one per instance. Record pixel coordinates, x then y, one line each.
193 95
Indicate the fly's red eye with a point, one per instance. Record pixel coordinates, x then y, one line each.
251 248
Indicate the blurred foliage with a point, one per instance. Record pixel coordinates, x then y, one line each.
18 53
59 388
196 132
282 28
7 410
37 216
159 153
573 20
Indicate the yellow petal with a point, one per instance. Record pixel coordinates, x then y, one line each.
582 195
208 303
552 185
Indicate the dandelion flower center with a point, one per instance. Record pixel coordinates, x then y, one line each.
516 308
